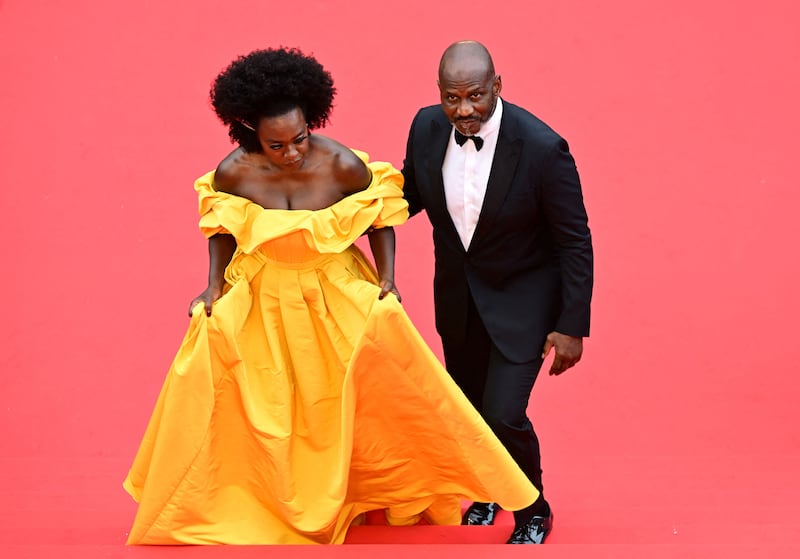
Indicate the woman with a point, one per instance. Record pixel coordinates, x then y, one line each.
302 396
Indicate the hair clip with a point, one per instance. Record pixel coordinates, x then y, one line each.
243 123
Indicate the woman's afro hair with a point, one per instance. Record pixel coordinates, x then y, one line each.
268 83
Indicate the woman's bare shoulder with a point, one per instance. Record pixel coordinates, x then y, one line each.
347 168
231 172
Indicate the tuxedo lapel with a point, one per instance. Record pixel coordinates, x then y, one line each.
439 136
501 175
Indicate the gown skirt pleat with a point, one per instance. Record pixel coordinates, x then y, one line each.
304 401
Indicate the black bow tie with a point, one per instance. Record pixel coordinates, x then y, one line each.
461 138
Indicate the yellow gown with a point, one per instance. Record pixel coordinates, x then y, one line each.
304 401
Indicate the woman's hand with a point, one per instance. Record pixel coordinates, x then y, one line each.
220 251
207 297
381 241
388 286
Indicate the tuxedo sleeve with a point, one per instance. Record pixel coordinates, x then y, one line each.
568 222
410 189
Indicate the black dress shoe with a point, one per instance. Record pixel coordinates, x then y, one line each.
533 531
480 514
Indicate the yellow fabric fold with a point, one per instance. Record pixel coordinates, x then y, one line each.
304 401
332 229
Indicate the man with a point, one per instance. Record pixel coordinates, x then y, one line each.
514 263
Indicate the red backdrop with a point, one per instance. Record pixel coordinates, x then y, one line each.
681 423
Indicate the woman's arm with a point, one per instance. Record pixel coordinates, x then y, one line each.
220 251
354 176
381 241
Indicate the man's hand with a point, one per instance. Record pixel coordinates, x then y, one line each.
568 351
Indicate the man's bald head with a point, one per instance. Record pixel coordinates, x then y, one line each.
465 56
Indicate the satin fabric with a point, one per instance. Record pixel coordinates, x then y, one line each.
304 401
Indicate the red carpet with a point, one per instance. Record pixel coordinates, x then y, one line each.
677 436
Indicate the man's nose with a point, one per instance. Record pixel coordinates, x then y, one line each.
464 108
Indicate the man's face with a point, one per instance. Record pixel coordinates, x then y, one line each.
469 96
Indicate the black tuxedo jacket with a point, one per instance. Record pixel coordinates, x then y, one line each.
529 266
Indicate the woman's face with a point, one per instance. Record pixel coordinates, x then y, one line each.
284 139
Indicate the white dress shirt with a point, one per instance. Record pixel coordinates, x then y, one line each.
465 172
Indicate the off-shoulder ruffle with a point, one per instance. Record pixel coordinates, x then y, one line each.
329 230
